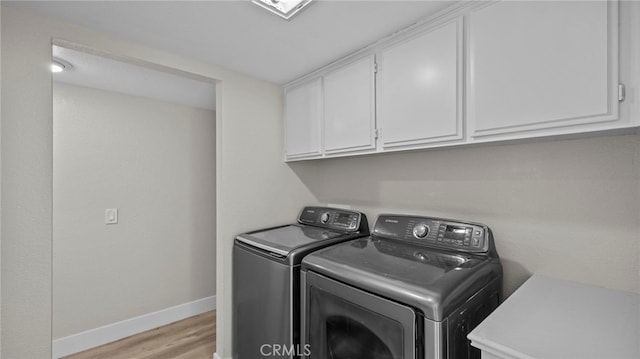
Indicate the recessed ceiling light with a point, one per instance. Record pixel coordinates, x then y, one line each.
59 65
283 8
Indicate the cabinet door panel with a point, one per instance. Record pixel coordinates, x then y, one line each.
418 87
303 120
540 64
349 120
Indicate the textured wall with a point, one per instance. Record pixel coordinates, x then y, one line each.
26 191
569 209
252 180
0 190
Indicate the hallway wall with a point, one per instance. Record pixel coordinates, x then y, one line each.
155 162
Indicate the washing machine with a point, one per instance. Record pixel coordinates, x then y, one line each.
413 289
266 279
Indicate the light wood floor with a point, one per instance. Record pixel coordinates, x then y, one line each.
191 338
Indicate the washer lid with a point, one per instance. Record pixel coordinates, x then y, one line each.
434 282
285 239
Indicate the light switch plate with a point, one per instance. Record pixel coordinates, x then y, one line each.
111 216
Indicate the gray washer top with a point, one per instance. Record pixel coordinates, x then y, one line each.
291 242
317 228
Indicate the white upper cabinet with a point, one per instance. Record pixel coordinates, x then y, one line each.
541 67
481 72
303 120
349 108
419 89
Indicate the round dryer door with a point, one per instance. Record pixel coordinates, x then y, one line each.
342 322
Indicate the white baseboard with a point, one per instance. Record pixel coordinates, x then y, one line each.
106 334
216 356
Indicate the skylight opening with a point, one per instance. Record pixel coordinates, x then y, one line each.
286 9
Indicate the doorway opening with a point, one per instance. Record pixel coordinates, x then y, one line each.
134 186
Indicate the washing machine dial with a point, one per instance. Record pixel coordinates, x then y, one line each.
420 231
324 218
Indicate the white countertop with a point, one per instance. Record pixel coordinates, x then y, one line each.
552 318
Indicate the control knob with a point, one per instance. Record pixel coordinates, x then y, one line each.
324 218
420 231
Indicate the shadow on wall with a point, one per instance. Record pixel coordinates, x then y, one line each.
478 181
514 275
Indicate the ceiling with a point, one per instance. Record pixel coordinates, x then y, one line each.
241 36
102 73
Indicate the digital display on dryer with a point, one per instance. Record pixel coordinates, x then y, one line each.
343 219
454 232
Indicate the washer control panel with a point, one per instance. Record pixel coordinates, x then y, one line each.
333 218
450 234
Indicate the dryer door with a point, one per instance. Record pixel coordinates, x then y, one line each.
342 322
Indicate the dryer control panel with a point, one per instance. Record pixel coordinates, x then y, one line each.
333 218
443 233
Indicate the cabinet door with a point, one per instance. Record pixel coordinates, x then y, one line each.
349 108
419 82
539 65
303 120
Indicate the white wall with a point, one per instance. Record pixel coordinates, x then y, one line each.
0 189
26 191
254 187
155 162
568 208
253 182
